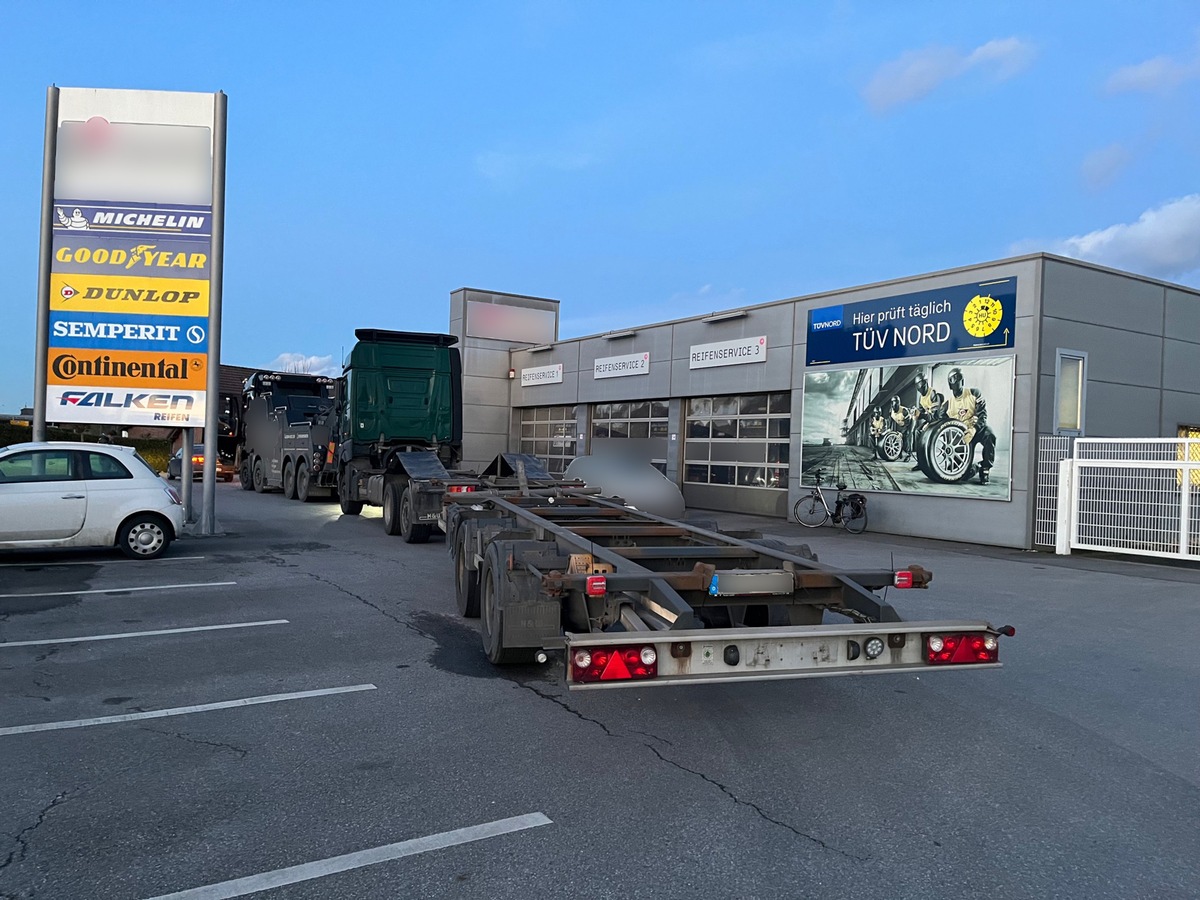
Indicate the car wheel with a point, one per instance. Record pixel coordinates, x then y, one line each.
891 445
144 536
945 454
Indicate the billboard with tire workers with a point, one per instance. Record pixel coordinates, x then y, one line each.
942 427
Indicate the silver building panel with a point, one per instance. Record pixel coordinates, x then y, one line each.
1082 293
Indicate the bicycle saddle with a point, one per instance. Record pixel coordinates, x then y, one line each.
841 485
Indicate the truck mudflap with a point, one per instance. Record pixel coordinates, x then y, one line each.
633 659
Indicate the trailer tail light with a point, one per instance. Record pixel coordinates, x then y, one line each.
614 664
460 488
597 586
903 579
961 649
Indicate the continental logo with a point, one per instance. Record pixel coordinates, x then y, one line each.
79 292
139 258
127 369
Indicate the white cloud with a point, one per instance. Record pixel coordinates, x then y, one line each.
1162 73
1163 243
917 73
1101 167
308 365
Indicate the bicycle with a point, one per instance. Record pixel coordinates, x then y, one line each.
812 509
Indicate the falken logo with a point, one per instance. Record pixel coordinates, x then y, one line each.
108 400
826 319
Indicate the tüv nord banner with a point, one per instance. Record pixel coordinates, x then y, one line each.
131 221
958 319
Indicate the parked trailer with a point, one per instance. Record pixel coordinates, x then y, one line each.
635 600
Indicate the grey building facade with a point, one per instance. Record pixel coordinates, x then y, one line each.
744 408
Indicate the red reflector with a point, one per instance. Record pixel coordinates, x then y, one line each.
460 488
329 454
903 579
616 669
597 586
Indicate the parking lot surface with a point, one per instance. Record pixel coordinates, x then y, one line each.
293 709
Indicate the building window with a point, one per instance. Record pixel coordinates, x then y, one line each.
548 432
644 421
1070 391
740 441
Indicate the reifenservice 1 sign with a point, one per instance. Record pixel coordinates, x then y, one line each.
963 318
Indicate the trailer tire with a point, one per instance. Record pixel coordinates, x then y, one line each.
412 531
349 507
391 510
494 586
289 480
466 579
260 476
303 483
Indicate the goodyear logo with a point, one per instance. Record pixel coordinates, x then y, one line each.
137 258
825 319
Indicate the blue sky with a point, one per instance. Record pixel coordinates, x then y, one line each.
636 160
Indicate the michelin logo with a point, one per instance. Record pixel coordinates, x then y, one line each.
826 319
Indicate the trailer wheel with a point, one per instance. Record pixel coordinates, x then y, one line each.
303 483
349 507
466 581
412 531
391 509
494 588
260 476
289 480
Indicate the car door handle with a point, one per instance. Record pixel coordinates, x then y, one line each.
74 496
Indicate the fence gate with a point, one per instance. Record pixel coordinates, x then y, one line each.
1052 450
1138 496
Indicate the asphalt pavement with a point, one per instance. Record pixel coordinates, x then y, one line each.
327 701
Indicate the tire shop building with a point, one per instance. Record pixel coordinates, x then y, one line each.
932 394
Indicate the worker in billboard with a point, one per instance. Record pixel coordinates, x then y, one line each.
902 422
878 427
927 410
968 406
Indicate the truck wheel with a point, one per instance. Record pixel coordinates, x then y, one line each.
349 507
412 531
303 483
260 476
245 477
466 580
289 480
391 509
493 585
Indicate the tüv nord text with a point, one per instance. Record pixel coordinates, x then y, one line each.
902 336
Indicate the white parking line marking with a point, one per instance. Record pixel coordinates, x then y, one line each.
252 884
181 710
133 634
97 562
124 590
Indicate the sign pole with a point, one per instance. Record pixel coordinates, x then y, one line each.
41 351
212 407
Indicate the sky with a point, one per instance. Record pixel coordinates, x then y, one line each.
638 161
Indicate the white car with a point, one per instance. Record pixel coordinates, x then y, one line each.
67 494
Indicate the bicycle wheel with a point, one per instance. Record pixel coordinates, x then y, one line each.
854 518
810 511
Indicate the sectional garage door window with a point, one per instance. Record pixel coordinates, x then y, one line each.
548 432
738 440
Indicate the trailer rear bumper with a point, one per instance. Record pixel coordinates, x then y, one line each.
768 654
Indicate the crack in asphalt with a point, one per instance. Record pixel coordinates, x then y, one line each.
375 606
17 854
191 740
725 790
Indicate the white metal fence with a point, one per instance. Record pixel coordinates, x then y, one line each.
1052 450
1137 496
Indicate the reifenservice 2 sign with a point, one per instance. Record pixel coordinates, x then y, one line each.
962 318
